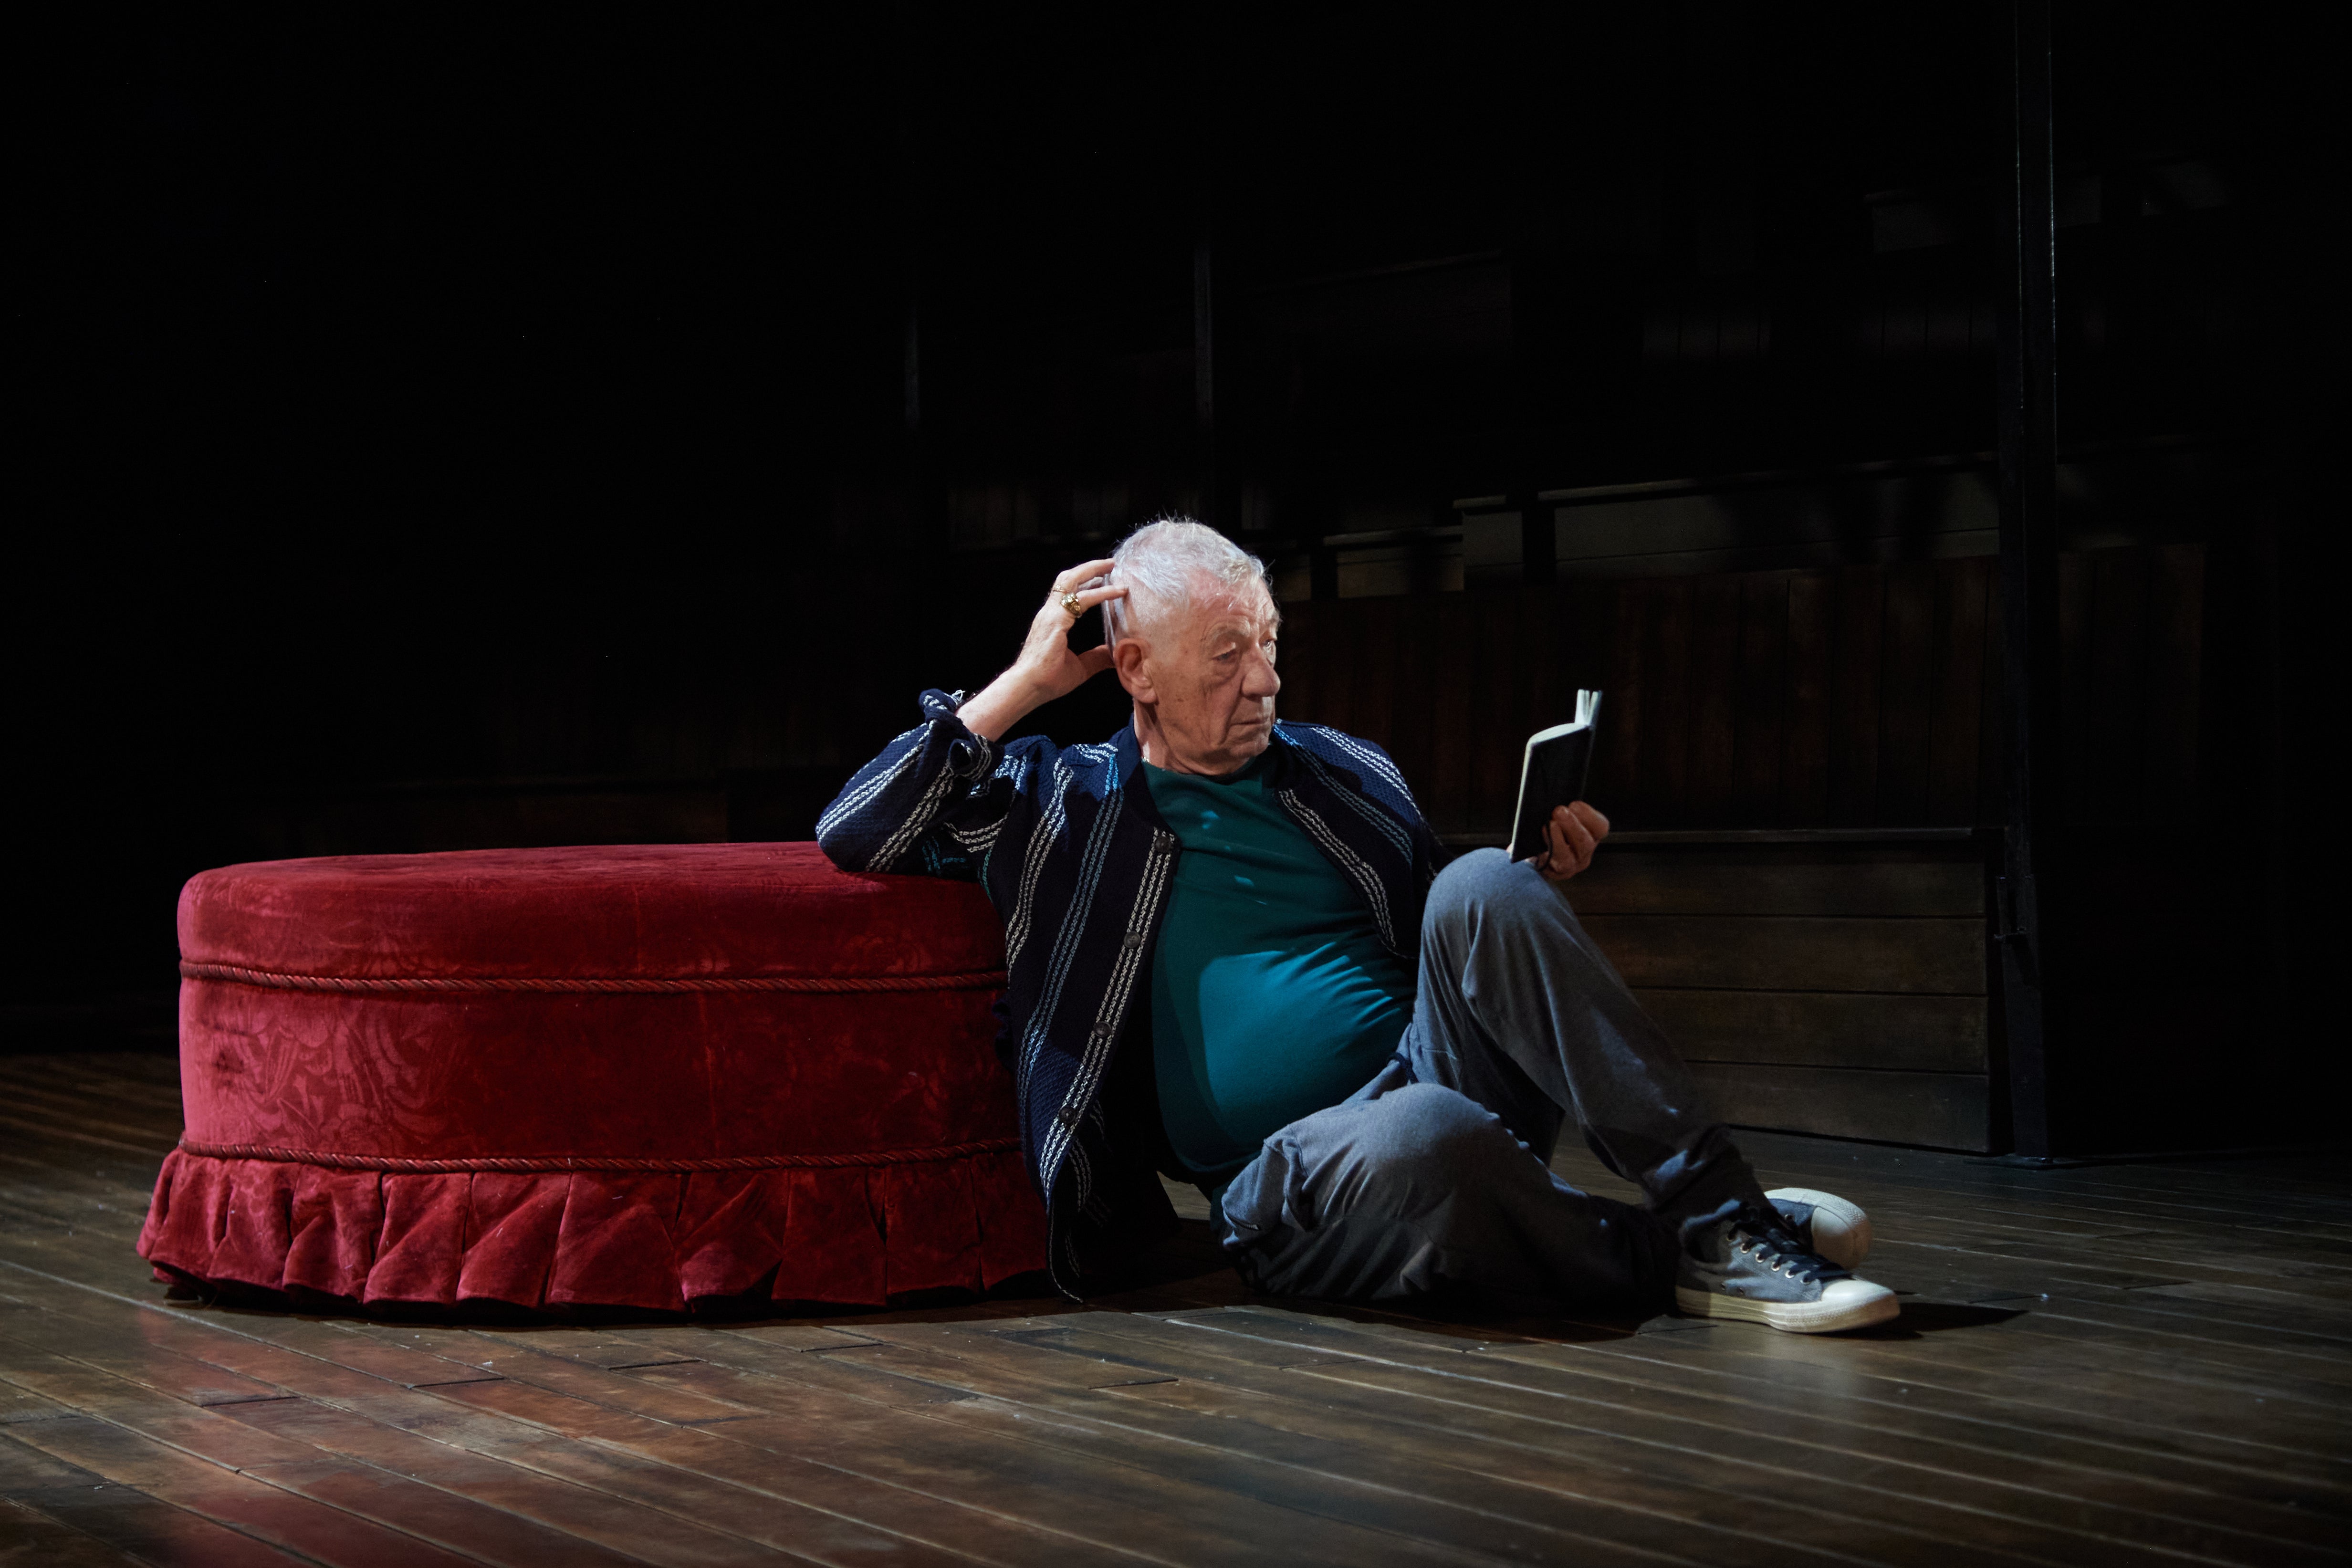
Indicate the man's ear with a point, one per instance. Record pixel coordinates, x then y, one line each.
1127 659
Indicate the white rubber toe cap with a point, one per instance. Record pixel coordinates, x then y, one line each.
1841 1229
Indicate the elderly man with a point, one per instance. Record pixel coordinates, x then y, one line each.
1233 958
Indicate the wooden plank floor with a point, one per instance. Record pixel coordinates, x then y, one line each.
2123 1364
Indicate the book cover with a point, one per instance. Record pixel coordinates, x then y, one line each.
1558 763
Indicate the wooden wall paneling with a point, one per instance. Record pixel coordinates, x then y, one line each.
1497 667
1343 665
1860 880
1956 719
1375 650
1298 660
1450 669
1536 677
1906 688
1369 673
1541 688
1805 729
2175 678
1332 663
1666 730
1320 634
1784 969
1943 957
1714 685
1620 773
2117 720
1373 697
1861 697
1414 714
1853 706
1756 718
1547 680
1581 619
1591 634
1531 634
1824 1029
1849 697
1294 661
1532 677
1937 1110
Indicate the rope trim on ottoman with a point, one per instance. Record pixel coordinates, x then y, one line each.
272 979
592 1162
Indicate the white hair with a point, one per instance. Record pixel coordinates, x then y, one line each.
1161 565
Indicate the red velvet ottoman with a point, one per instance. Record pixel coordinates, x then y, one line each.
634 1076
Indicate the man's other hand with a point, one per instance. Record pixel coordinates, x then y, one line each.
1571 837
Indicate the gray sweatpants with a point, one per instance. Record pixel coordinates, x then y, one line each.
1436 1174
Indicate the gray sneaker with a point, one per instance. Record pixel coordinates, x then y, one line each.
1757 1267
1824 1225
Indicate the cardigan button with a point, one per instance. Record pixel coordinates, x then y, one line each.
1067 1117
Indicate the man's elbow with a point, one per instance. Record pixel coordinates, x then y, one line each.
842 845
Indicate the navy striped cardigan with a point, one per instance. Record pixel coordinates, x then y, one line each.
1078 864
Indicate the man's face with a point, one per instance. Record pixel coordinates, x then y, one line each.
1206 683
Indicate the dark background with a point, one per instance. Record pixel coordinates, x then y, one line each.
598 428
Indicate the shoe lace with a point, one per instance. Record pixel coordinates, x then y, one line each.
1782 1254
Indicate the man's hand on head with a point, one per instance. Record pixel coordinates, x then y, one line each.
1047 665
1572 835
1047 662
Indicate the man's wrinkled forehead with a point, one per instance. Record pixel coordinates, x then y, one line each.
1243 612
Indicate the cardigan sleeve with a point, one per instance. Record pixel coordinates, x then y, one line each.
936 796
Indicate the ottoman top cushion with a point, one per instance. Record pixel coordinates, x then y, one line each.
653 911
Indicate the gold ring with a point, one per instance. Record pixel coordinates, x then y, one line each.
1070 603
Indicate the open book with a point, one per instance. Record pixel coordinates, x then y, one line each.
1557 763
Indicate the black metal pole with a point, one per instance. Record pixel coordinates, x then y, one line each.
2029 582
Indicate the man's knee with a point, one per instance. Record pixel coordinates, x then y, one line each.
1430 1128
1410 1152
1482 887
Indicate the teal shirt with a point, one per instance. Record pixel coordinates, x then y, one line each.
1272 995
